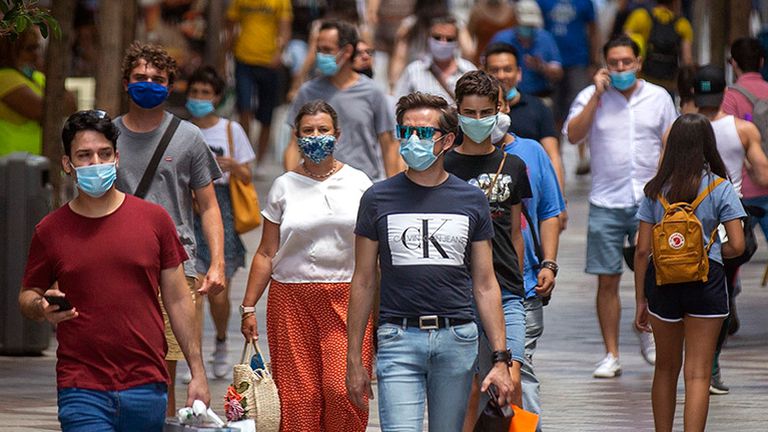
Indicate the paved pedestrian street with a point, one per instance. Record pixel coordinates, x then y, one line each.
566 357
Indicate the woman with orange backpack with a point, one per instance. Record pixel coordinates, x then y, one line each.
685 313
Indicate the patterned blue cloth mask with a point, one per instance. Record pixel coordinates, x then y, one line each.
96 180
147 94
317 148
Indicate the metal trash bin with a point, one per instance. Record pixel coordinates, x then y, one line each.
25 198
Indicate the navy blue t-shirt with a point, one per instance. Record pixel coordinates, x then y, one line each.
530 118
425 236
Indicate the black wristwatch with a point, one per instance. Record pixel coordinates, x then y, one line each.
501 356
549 264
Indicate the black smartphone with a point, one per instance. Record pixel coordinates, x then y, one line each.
62 302
493 404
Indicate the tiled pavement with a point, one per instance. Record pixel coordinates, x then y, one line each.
573 400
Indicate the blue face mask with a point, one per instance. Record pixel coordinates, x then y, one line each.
525 32
623 80
477 129
512 93
199 107
326 64
317 148
147 94
96 180
419 153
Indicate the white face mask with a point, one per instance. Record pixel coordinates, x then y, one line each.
502 126
441 50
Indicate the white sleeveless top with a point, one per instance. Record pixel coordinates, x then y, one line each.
730 148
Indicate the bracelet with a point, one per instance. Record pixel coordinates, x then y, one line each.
551 265
501 356
247 315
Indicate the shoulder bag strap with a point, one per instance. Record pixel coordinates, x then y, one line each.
747 94
496 177
146 180
230 140
440 80
706 192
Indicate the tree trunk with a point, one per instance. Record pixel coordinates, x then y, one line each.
57 62
109 87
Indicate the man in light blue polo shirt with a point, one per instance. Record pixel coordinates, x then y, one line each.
541 63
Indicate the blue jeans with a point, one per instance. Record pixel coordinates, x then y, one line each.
761 202
140 408
412 364
534 327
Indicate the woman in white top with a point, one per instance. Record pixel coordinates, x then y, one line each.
203 93
306 256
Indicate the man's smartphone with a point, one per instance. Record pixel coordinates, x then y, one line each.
62 302
493 404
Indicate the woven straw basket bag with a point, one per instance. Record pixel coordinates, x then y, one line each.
263 403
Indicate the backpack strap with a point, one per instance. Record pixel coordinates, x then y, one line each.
747 94
706 192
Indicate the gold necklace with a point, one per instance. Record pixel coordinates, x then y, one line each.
318 176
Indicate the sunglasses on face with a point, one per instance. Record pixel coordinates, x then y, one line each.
423 132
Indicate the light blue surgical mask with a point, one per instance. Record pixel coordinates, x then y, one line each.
317 148
147 94
512 93
478 129
326 64
525 32
199 107
623 80
96 180
419 153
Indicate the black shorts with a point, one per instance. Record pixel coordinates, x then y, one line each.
696 299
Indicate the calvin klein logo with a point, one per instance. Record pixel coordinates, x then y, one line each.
427 238
423 238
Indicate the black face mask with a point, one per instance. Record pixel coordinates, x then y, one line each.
367 72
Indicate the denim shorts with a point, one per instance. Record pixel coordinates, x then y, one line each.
140 408
696 299
607 230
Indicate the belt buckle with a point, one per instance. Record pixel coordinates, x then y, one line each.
429 322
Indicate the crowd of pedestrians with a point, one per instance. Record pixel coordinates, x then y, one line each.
414 234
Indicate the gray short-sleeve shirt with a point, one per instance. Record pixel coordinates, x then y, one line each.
187 164
363 114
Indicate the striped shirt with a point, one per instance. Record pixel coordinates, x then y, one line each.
418 77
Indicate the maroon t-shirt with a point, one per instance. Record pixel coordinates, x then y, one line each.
109 268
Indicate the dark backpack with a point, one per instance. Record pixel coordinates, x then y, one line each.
662 49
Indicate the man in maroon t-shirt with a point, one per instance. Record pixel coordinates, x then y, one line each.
109 253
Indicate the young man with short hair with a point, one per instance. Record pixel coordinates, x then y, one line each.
109 252
430 233
624 119
186 167
502 178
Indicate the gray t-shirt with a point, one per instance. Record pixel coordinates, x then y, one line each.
363 114
187 164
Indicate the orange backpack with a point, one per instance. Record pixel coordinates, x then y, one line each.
678 253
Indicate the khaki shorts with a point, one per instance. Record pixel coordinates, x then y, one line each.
174 351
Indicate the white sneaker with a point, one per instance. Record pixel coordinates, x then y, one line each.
647 347
608 367
183 372
220 360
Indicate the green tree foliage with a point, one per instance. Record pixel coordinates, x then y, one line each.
18 15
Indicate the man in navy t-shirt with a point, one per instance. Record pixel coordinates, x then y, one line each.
431 234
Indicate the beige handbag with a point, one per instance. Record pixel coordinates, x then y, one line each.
258 389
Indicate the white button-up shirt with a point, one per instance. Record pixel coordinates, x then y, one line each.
624 141
418 77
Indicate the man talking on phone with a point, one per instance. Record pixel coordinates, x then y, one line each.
110 253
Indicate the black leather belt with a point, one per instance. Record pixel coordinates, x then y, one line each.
427 322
